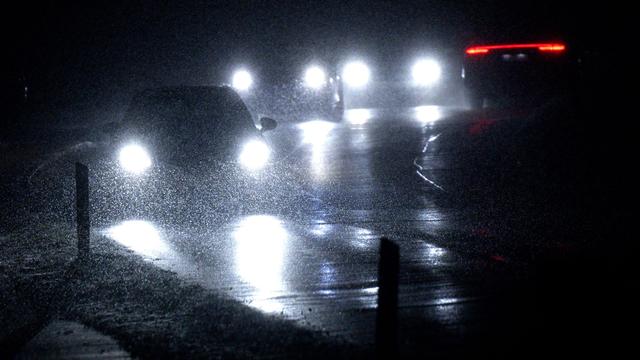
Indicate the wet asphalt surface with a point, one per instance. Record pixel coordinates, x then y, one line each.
318 266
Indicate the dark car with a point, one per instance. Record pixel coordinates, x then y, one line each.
504 73
177 149
185 125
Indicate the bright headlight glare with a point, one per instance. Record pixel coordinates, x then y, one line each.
242 80
254 155
134 159
426 72
315 77
356 74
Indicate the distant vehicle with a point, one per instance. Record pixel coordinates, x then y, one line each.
504 72
326 85
309 86
396 78
176 149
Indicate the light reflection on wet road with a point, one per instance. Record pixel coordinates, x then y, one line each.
320 269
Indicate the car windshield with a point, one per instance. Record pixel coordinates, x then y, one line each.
183 122
312 179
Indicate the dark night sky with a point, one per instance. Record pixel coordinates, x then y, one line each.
106 50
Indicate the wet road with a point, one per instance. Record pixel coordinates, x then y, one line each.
471 276
320 268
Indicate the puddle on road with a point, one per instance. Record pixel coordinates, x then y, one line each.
142 237
260 243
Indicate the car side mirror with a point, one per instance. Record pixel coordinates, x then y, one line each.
267 124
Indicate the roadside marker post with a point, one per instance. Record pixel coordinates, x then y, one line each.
387 311
82 209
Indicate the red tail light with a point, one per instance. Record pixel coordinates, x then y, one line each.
552 47
543 47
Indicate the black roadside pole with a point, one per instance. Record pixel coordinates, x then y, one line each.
82 210
387 311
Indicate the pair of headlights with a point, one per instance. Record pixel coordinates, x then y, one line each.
135 159
314 78
424 72
356 74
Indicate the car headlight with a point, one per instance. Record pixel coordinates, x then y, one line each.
254 155
134 159
315 77
426 72
356 74
242 80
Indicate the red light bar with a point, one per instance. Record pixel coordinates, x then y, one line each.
552 47
477 51
545 47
